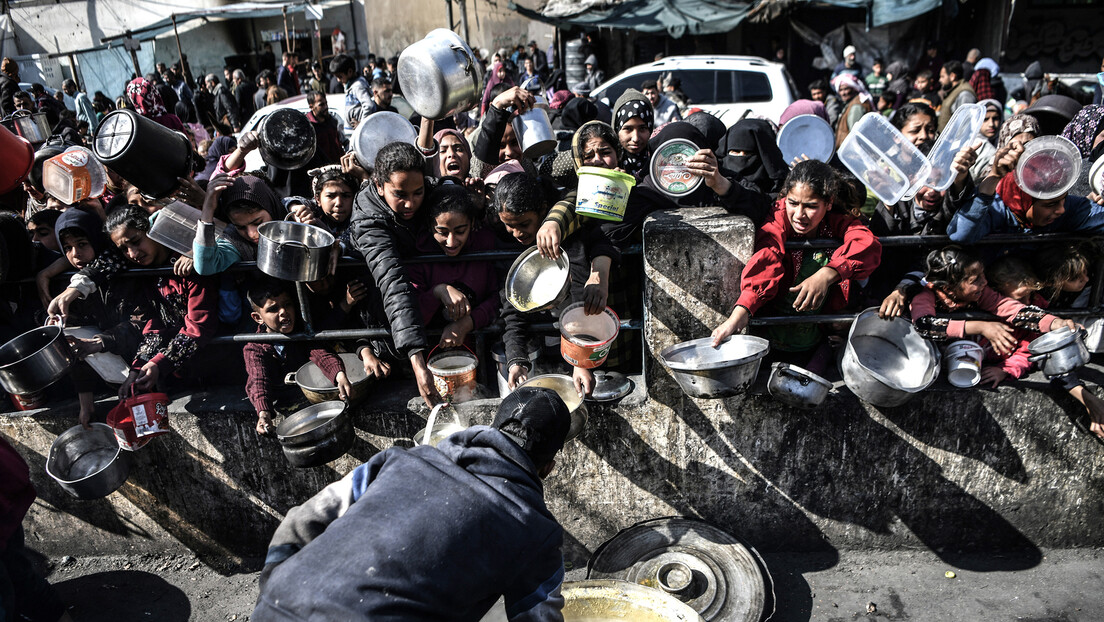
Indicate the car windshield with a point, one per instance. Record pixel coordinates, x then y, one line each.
703 86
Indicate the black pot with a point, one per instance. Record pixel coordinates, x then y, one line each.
287 139
316 435
144 152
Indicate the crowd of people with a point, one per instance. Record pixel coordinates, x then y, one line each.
466 187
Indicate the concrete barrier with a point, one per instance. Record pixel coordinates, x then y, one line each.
955 471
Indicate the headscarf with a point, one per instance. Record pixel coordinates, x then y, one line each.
854 83
560 99
145 99
577 112
989 64
633 103
994 105
979 80
1016 124
764 165
253 190
492 81
502 170
897 69
1085 127
803 106
437 138
87 222
1015 199
605 132
220 146
710 126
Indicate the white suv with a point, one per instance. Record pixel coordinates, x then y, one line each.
726 86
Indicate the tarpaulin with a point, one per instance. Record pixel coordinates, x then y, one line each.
109 70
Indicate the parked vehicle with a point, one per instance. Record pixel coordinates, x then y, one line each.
726 86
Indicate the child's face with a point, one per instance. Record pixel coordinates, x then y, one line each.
1078 283
508 146
1043 213
878 69
404 192
970 287
138 247
598 152
929 199
43 234
248 222
804 209
451 231
919 128
991 125
921 84
277 314
634 135
522 226
78 250
336 201
455 156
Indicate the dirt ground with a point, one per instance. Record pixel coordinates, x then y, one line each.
1062 586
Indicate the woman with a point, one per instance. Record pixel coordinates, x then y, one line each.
857 102
1019 128
916 120
990 130
800 107
147 102
498 76
454 155
750 151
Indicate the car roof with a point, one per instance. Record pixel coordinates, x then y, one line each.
705 60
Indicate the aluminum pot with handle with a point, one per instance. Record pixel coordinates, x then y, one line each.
294 251
286 139
440 75
797 387
534 131
317 388
1059 351
36 359
32 127
886 362
316 435
88 464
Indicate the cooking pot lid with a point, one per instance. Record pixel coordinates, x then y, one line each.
809 135
1048 167
114 134
610 386
669 170
704 567
379 130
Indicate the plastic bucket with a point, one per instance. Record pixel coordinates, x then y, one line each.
454 373
603 193
16 160
73 176
139 418
963 363
585 340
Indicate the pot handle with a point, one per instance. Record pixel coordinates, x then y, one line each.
1038 357
785 371
468 57
55 318
433 418
290 378
434 349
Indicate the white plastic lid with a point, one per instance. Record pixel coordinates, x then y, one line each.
961 132
887 162
1048 167
1096 176
806 135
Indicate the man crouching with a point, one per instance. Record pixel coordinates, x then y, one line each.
431 533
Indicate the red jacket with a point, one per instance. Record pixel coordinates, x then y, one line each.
772 267
185 318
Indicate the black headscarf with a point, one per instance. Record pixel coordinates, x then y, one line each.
576 112
633 103
710 126
89 223
763 165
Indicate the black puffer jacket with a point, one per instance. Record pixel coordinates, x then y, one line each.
385 239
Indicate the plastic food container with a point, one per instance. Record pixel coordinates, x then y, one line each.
961 131
963 359
669 170
603 193
1048 167
1096 176
585 340
886 162
175 227
73 176
806 135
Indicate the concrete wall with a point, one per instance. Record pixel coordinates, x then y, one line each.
952 471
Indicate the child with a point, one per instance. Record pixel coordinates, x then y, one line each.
956 282
332 205
246 202
876 80
1066 267
463 293
274 311
41 227
797 282
1013 277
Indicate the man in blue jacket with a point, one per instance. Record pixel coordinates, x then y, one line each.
431 533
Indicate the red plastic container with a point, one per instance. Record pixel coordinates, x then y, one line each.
139 418
16 160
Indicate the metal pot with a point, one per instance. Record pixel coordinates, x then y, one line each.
88 464
535 283
1059 351
564 386
378 131
797 387
534 131
886 362
707 372
286 139
143 152
294 251
36 359
317 388
34 128
316 435
440 75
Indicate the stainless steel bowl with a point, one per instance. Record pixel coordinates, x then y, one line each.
707 372
564 386
294 251
535 283
35 360
88 464
886 362
316 435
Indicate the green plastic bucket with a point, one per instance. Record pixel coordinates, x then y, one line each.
603 193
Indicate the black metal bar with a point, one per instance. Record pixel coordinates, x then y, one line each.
304 306
940 240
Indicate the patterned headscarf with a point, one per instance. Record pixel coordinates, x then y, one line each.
578 146
854 83
633 103
1017 124
1085 127
145 98
979 80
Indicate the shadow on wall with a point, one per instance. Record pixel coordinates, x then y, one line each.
134 595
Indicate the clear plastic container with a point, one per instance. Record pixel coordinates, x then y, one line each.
961 131
175 227
74 175
1048 167
887 162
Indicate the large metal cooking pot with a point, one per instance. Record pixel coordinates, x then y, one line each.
294 251
440 75
886 362
797 387
534 131
34 128
36 359
535 283
600 600
286 139
1059 351
317 388
88 464
316 435
707 372
378 131
143 152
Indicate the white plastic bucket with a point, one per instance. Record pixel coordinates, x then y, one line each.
963 363
603 193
